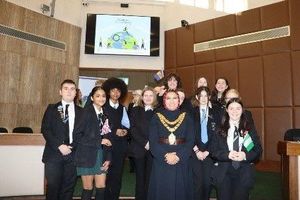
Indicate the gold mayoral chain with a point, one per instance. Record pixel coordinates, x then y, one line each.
176 123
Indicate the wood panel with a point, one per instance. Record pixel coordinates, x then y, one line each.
186 79
170 49
248 21
225 26
229 70
251 90
295 76
185 48
32 73
277 80
276 122
275 15
294 6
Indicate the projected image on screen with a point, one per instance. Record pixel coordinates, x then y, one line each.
117 34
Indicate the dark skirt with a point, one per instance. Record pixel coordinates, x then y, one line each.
96 169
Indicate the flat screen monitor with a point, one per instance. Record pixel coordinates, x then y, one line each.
122 35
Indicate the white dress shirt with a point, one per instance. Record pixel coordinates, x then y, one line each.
230 136
114 105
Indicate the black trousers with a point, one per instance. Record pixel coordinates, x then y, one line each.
202 178
115 171
143 167
61 179
232 187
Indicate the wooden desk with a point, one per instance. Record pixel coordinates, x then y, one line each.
22 139
21 169
290 152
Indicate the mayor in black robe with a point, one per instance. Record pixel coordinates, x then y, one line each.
171 138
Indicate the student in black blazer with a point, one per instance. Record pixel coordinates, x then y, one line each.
206 122
140 118
116 89
92 156
57 128
235 148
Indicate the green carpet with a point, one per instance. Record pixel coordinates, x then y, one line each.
267 186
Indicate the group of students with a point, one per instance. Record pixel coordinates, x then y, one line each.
181 147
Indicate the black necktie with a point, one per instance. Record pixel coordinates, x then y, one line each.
100 119
236 164
66 120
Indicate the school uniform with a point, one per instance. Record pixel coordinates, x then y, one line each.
119 150
140 121
90 153
57 129
208 117
235 179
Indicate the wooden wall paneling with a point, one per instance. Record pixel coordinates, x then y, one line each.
73 46
277 80
30 82
227 53
277 121
3 42
185 46
3 76
229 70
295 76
205 57
258 117
15 45
207 71
11 15
248 21
294 6
251 81
31 21
11 75
276 45
249 50
296 117
187 80
204 31
275 15
168 71
52 77
225 26
8 115
170 49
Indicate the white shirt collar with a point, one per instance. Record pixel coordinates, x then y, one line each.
64 103
98 111
148 107
114 105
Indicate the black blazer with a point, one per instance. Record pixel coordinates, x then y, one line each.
220 152
53 130
212 125
88 139
140 122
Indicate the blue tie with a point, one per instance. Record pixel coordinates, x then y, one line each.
203 121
